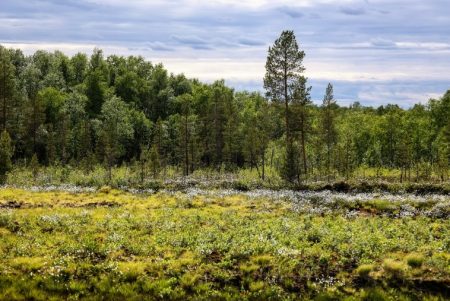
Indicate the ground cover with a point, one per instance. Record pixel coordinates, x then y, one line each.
109 244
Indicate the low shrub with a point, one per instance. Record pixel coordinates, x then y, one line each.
240 186
394 268
364 270
414 260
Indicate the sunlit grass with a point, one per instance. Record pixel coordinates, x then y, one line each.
219 245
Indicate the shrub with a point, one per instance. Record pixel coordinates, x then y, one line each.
240 186
132 270
394 268
374 294
28 264
380 205
189 280
414 260
364 270
263 260
341 187
105 189
153 185
256 286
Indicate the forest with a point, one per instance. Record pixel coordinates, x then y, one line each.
87 111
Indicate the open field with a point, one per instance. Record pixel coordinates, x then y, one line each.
222 245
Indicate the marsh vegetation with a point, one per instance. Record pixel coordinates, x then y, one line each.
223 245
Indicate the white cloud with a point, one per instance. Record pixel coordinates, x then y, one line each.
235 3
380 97
229 39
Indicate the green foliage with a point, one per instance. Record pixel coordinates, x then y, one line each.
115 244
7 87
34 166
82 110
283 80
414 260
394 268
6 153
154 161
364 270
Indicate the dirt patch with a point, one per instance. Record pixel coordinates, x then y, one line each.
11 205
106 204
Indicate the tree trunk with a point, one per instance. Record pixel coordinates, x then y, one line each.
186 151
4 99
303 143
263 164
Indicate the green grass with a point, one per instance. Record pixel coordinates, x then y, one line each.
128 176
113 245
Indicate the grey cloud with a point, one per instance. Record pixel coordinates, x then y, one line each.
158 46
189 40
291 11
381 43
250 42
353 11
193 42
180 29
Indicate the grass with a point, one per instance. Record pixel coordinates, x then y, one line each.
415 260
128 176
114 245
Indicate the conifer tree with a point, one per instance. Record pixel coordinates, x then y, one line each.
7 85
301 111
284 68
34 166
6 153
328 125
154 161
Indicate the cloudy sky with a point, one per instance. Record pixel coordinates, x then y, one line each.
373 51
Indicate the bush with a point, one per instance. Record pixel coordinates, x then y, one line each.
414 260
374 294
256 286
364 270
341 187
105 189
240 186
394 268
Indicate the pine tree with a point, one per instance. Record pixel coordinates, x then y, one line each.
284 68
51 146
154 161
328 125
35 110
144 160
116 130
301 110
185 101
6 153
34 166
7 86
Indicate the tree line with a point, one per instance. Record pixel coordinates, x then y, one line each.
87 110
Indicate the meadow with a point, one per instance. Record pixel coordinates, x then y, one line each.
78 243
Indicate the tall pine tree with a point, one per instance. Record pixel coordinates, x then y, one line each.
284 68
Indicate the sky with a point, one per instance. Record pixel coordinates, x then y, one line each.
372 51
